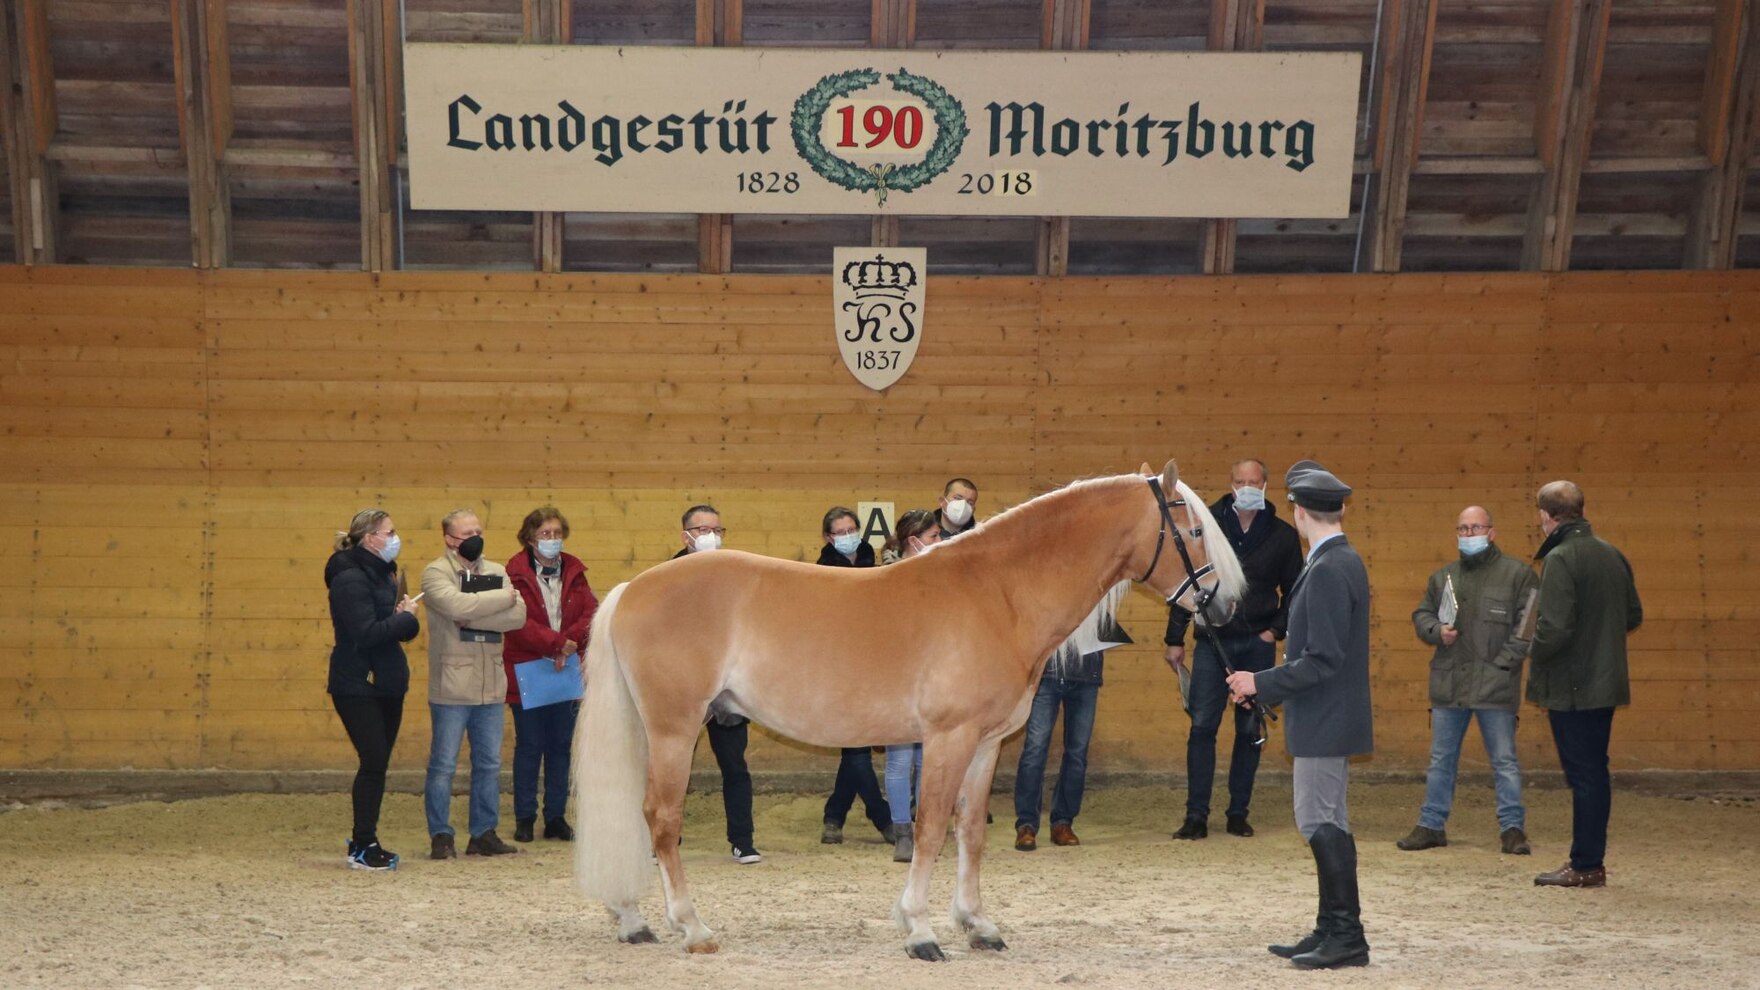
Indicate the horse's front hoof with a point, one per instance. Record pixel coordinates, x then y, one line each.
705 947
988 943
926 951
641 936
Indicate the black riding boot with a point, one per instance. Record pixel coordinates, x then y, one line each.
1342 944
1310 941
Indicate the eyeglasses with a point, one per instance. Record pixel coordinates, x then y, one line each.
702 530
1471 529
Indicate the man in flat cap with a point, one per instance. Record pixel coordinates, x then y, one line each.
1323 684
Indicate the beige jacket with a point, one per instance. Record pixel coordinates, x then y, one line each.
461 673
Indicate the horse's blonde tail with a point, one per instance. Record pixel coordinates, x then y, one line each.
611 852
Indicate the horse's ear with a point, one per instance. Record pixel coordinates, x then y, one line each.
1169 476
1146 471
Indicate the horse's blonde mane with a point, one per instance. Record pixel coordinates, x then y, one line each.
1231 580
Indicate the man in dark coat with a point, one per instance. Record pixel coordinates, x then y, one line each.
1323 684
1270 553
1588 604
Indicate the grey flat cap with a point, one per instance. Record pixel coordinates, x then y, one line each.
1314 488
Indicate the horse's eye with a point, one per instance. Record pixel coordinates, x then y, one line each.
1198 534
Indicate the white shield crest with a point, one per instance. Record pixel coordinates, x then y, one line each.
878 297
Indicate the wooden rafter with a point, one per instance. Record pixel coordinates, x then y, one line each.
375 145
893 24
1064 28
30 123
1727 128
204 123
1409 39
1235 26
719 23
548 22
1576 43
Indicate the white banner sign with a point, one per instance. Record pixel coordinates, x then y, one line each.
744 130
877 297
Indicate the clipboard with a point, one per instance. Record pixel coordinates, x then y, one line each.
472 584
540 683
1449 609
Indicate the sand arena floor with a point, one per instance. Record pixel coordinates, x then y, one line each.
251 891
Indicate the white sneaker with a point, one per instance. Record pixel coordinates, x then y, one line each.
746 855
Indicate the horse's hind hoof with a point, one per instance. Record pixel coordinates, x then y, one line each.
705 947
988 943
641 936
926 951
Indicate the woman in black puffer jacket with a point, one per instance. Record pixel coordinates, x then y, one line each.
369 674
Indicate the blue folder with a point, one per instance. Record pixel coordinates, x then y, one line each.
540 683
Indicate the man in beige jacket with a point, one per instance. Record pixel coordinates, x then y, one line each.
466 682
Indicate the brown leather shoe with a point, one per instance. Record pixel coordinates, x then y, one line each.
1423 838
1515 842
488 844
1564 876
1026 838
442 847
1063 835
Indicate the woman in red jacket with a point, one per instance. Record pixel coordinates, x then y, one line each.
559 608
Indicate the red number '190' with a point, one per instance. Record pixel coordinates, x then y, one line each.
880 123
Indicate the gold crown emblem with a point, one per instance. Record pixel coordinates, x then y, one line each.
880 277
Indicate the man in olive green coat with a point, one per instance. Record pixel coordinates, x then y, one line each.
1472 613
1588 604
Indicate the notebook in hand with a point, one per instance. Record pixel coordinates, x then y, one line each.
540 683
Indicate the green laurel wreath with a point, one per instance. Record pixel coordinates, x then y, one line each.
880 178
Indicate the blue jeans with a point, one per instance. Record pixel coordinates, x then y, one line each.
1079 701
901 761
1448 726
542 735
451 724
1208 701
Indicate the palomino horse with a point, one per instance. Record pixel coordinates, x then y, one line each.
842 657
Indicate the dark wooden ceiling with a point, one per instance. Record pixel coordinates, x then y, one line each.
1498 135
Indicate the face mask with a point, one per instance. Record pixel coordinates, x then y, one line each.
471 548
958 511
847 543
389 552
706 541
1249 499
549 549
1471 545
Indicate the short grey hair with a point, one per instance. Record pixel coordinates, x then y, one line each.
455 515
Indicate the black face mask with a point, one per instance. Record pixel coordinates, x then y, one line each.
471 549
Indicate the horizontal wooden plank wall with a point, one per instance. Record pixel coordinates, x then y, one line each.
181 446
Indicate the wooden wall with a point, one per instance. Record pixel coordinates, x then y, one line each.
180 447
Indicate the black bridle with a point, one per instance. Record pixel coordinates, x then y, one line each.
1201 598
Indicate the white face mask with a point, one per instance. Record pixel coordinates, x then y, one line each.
958 511
388 552
705 541
847 543
1249 499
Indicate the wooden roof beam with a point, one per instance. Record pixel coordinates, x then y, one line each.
548 22
892 24
1409 38
1064 26
27 111
1727 128
720 23
371 23
1235 26
204 124
1576 43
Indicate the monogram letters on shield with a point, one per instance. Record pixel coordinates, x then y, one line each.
878 296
